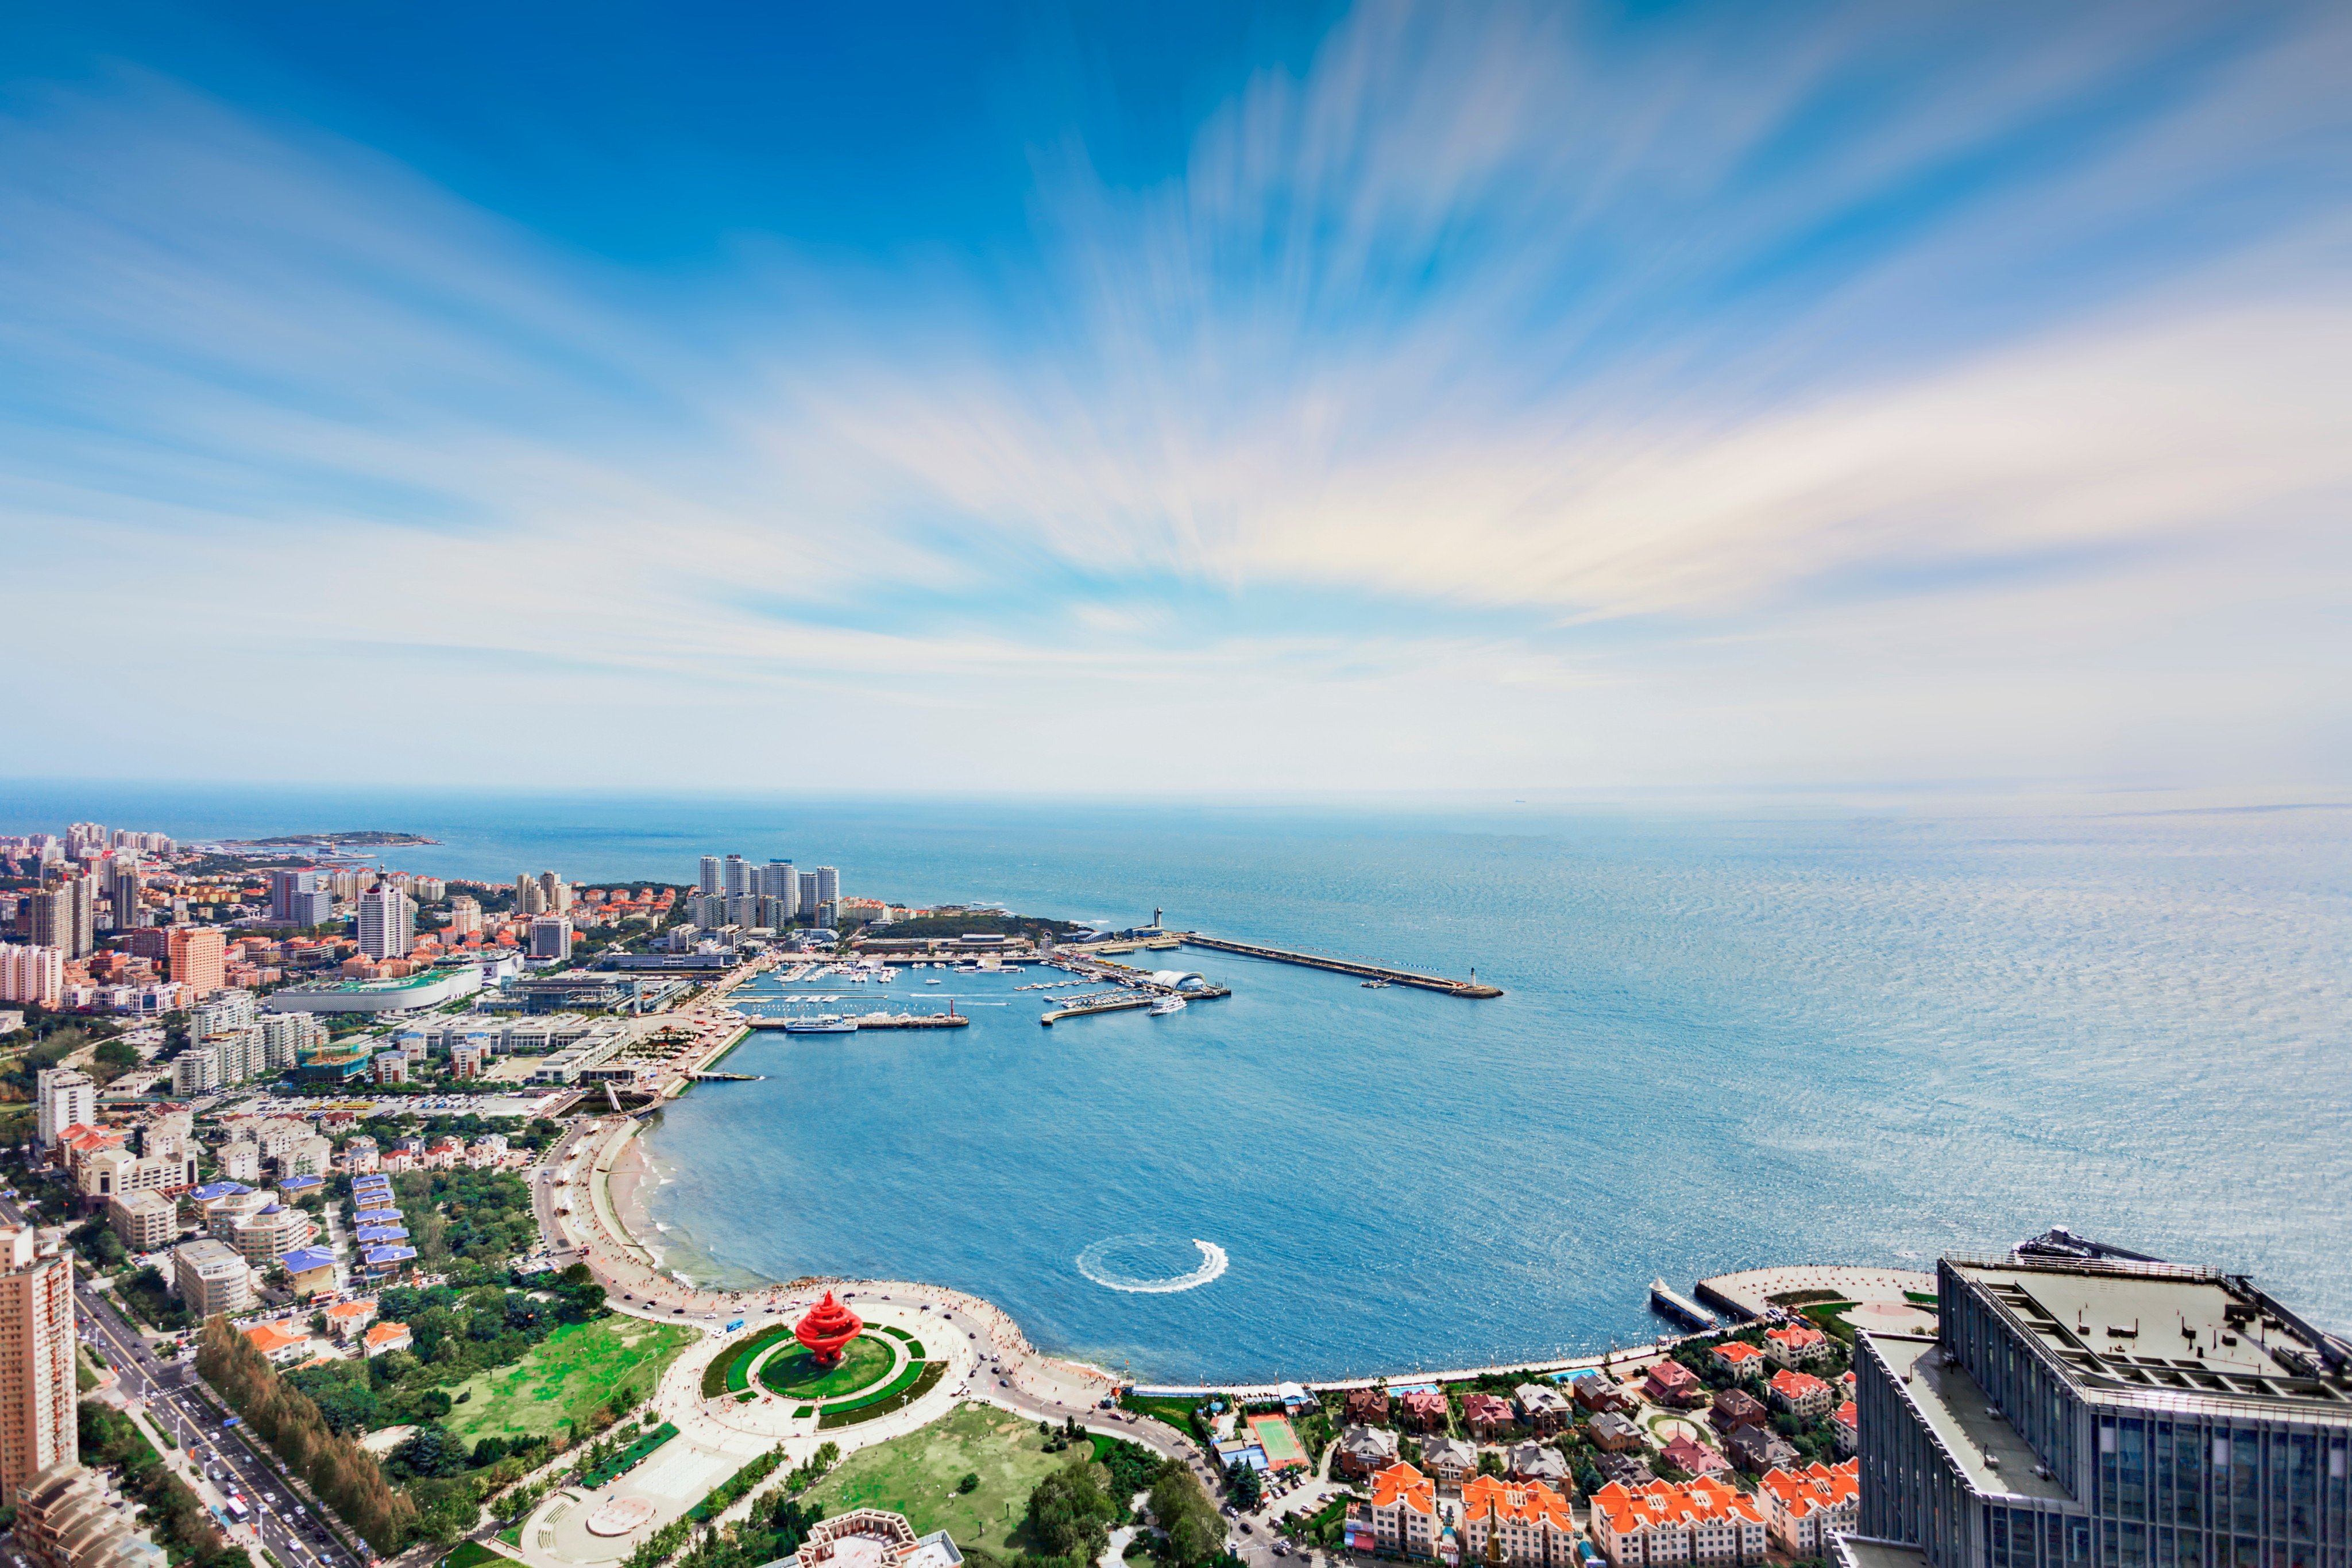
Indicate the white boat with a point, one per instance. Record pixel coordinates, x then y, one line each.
828 1024
1167 1004
934 980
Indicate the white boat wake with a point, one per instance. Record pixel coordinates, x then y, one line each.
1091 1261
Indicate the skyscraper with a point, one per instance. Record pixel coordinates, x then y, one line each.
828 885
301 898
62 1097
530 899
781 884
199 958
123 894
387 922
38 1417
739 877
84 890
2102 1410
53 917
554 894
807 901
710 882
32 973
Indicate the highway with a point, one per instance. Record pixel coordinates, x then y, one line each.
166 1391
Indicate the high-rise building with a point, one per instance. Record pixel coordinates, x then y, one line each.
124 893
301 898
32 973
828 885
212 1277
710 880
780 883
551 937
555 894
2079 1406
38 1418
530 899
387 922
738 880
746 909
51 916
465 916
806 901
199 959
85 913
62 1097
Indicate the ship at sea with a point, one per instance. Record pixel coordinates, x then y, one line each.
829 1024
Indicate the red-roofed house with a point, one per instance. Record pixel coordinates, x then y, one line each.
1672 1382
1805 1508
386 1337
1801 1393
1842 1424
1705 1521
1739 1357
1404 1512
1686 1453
1422 1407
1796 1344
279 1343
1368 1406
345 1319
1532 1519
1488 1416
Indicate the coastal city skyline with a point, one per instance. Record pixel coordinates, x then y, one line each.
1365 785
1541 397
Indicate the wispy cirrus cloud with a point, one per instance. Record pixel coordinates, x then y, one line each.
1722 398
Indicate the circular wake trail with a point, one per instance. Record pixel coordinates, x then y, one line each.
1091 1261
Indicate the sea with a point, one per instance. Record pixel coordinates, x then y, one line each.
1729 1036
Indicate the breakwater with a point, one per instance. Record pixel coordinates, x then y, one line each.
1363 971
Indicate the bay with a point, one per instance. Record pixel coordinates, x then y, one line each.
1727 1038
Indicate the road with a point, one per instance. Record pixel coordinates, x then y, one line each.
166 1391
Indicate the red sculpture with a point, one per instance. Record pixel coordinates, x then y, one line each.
828 1327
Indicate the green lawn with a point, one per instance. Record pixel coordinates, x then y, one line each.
916 1475
795 1373
573 1371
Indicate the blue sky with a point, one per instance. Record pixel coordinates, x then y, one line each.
1207 399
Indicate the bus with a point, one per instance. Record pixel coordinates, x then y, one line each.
236 1509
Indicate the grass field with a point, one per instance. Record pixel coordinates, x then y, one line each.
793 1371
573 1371
916 1475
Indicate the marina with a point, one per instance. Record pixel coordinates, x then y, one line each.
1097 1001
1672 1303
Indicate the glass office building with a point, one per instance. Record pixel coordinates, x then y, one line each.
2104 1412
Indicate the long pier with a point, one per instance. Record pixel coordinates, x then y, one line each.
1100 1002
1347 966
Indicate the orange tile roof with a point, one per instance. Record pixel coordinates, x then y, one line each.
1817 1486
383 1334
1531 1501
1791 1385
1703 1501
270 1338
342 1310
1738 1352
1401 1483
1795 1337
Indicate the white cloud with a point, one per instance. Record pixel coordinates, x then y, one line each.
1429 428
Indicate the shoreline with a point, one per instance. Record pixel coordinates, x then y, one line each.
621 1173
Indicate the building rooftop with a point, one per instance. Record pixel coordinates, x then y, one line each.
1984 1448
2152 1328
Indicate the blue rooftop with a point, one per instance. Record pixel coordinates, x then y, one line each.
383 1233
381 1257
381 1216
303 1259
301 1184
221 1190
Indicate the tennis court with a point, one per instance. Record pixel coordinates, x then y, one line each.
1282 1447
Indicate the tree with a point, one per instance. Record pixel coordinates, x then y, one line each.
1245 1485
1069 1513
1490 1463
970 1482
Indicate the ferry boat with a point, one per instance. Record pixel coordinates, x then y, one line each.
1167 1004
934 980
828 1024
1376 984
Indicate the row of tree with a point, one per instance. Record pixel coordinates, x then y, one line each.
343 1474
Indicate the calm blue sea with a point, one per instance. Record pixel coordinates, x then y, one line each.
1726 1040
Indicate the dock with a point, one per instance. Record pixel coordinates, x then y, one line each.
1362 971
912 1021
1099 1002
1672 1303
729 1076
